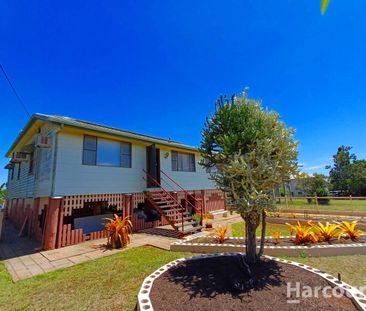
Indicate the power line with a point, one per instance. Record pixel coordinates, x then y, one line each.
14 91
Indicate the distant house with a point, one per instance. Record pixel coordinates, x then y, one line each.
66 175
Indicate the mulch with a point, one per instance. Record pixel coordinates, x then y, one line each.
207 284
282 242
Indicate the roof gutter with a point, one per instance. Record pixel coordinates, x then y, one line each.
118 133
95 128
30 123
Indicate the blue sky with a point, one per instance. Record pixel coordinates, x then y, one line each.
156 67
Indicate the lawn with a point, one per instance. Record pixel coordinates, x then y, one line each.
351 268
112 283
109 283
238 229
334 204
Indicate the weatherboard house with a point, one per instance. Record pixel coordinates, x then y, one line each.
65 176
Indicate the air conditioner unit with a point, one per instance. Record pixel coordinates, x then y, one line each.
20 157
43 141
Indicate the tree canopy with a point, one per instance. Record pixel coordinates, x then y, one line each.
324 5
357 178
314 185
252 151
2 196
340 172
347 175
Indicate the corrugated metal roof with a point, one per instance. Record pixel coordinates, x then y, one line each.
66 121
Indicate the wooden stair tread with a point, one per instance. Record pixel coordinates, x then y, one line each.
169 207
191 229
186 223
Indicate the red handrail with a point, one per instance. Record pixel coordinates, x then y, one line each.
185 193
167 192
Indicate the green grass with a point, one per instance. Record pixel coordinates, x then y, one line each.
334 204
112 283
351 268
109 283
238 229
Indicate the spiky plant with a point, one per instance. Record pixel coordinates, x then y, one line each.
119 231
326 232
220 234
349 230
304 233
276 235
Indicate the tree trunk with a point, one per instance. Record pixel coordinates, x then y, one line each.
251 248
263 233
252 221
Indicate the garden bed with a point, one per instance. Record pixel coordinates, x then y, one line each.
285 247
208 283
291 220
284 241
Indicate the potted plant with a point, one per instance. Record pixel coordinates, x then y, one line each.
208 221
196 217
119 231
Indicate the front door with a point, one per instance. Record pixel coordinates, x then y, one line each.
153 166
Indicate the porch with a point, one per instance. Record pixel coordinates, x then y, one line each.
64 221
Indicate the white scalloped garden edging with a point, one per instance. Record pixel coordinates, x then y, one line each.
144 302
292 251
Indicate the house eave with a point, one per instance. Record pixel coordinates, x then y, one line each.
76 124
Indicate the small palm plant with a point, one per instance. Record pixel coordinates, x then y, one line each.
304 233
349 230
276 237
119 231
326 232
220 234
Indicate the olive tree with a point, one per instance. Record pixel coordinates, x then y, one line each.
324 5
252 151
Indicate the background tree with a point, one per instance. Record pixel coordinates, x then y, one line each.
2 196
340 172
316 185
252 151
357 178
324 5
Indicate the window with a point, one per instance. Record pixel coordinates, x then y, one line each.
183 162
19 169
12 173
126 155
108 152
31 163
105 152
90 150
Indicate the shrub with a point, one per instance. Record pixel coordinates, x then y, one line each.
220 234
276 236
326 232
304 233
197 217
119 231
349 230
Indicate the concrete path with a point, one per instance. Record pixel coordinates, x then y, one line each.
22 260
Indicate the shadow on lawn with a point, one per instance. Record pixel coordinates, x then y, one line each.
214 276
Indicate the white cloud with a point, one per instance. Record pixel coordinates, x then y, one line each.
314 167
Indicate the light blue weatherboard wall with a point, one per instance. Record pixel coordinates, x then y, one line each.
73 178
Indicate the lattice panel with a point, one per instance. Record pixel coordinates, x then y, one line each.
77 201
138 197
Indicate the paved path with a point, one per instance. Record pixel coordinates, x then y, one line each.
22 259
